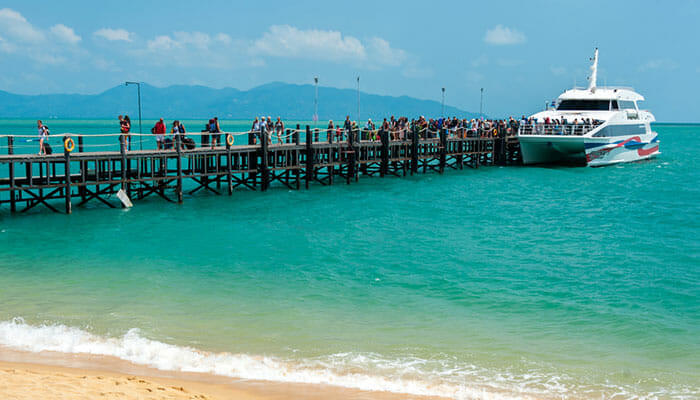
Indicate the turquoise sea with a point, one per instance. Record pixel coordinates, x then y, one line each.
514 282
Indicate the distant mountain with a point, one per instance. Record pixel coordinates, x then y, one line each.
276 99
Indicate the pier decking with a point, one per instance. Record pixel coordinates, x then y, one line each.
79 177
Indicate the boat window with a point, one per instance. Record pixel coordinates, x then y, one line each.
627 105
613 105
584 105
621 130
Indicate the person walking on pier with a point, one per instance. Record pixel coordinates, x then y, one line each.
279 129
215 130
270 128
369 128
43 136
331 129
125 128
159 130
347 127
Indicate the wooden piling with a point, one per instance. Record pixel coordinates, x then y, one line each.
229 168
350 157
414 149
309 157
297 171
178 149
264 171
10 151
443 149
384 163
66 172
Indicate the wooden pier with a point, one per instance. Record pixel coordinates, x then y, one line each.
76 178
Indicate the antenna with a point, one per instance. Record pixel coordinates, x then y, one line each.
594 72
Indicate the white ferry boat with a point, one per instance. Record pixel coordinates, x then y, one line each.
595 127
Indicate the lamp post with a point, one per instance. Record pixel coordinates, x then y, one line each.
443 102
481 104
358 100
138 86
316 102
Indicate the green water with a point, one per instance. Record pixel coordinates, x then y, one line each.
498 282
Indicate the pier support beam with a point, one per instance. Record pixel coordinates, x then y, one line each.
264 171
66 171
11 150
229 169
414 150
309 157
384 164
442 149
178 150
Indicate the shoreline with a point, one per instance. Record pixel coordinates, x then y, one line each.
27 375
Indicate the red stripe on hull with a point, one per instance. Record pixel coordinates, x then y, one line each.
643 152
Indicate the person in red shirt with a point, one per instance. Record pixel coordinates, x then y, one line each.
159 130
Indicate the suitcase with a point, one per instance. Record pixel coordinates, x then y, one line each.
189 143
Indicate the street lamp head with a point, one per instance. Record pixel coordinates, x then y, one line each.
443 90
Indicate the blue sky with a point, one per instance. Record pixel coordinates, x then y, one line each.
521 53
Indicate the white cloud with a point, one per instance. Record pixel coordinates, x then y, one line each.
379 50
6 47
658 64
53 46
192 48
65 34
188 40
162 43
15 26
114 35
501 35
288 41
223 38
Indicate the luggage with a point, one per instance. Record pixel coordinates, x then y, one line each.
47 148
168 144
189 143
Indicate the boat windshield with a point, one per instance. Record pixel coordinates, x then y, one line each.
584 105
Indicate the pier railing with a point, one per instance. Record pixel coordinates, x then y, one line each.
557 129
100 169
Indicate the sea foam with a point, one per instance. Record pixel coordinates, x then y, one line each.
133 347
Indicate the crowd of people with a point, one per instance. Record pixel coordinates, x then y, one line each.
398 128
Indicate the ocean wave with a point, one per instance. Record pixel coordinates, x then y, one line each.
367 371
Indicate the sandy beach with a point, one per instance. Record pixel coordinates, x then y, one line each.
49 375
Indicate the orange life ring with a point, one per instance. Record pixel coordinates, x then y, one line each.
69 145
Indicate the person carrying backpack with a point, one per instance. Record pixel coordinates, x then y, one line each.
43 137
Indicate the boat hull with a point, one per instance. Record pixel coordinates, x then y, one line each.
586 150
553 150
628 149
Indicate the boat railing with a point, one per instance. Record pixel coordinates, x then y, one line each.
557 129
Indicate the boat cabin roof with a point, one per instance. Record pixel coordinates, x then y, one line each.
602 93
